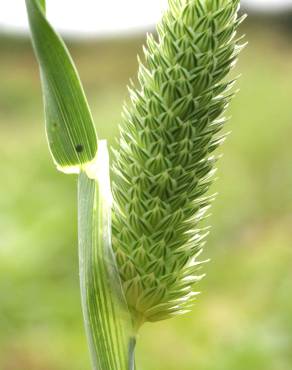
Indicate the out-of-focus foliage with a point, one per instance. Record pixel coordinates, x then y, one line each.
243 319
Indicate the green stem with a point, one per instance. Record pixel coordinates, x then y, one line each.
108 326
132 348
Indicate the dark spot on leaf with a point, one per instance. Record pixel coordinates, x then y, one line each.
54 126
79 148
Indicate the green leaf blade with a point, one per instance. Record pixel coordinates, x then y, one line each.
69 124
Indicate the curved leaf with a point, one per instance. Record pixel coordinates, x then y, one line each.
69 124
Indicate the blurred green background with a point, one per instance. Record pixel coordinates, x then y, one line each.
243 319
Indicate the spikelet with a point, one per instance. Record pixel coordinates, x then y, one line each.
164 164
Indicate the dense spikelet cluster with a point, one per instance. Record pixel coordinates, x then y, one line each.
164 165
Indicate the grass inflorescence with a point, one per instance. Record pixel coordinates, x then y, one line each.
164 165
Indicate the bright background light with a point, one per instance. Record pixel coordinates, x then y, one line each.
102 16
268 5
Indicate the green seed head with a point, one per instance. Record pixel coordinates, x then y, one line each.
165 161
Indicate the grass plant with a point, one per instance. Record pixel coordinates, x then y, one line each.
139 250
